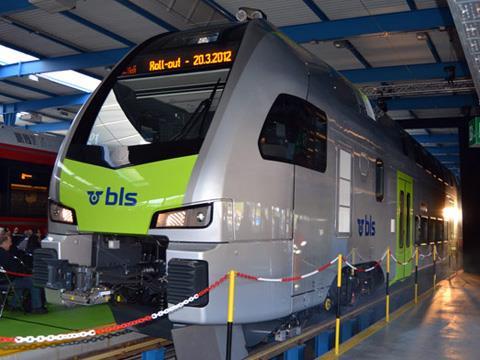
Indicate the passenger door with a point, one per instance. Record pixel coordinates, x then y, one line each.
403 251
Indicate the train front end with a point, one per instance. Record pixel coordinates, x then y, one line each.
127 222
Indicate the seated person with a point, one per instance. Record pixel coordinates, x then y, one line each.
10 263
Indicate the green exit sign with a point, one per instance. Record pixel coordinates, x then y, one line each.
474 132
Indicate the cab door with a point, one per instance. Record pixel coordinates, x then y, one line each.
403 251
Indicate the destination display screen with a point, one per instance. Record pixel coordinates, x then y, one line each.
196 58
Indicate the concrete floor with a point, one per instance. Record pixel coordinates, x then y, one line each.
445 325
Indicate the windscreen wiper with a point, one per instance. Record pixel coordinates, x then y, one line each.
202 109
207 107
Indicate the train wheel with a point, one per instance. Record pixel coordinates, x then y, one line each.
327 304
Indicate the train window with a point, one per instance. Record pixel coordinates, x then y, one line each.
431 229
439 230
379 180
28 189
344 192
408 230
295 132
363 164
423 230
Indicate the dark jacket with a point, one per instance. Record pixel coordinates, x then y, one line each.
11 263
33 244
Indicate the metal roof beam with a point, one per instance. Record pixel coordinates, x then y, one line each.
404 72
29 88
432 123
216 6
316 9
357 54
32 105
146 14
43 34
451 159
97 28
444 150
8 7
411 4
431 102
56 126
41 57
16 98
69 62
430 146
433 49
395 22
10 119
436 139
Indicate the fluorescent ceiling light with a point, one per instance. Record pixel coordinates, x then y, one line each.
69 78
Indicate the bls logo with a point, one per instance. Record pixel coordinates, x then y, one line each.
113 198
94 196
366 226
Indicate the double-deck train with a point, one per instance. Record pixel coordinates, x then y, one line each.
232 147
26 164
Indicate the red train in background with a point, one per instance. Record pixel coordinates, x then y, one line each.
26 164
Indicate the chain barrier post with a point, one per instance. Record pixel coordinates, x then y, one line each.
337 319
434 266
231 297
387 288
416 274
353 261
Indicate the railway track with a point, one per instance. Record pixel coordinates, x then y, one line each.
130 350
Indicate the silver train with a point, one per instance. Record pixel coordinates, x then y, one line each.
232 147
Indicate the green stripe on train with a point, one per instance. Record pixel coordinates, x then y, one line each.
152 187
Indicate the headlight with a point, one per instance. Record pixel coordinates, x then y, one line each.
198 216
61 214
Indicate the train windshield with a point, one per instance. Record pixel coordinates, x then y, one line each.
161 103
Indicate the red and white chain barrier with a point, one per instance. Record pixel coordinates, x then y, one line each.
371 268
403 263
423 256
291 278
440 259
178 306
12 273
109 329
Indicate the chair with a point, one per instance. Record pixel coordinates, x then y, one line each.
6 289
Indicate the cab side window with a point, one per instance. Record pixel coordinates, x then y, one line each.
379 180
295 132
